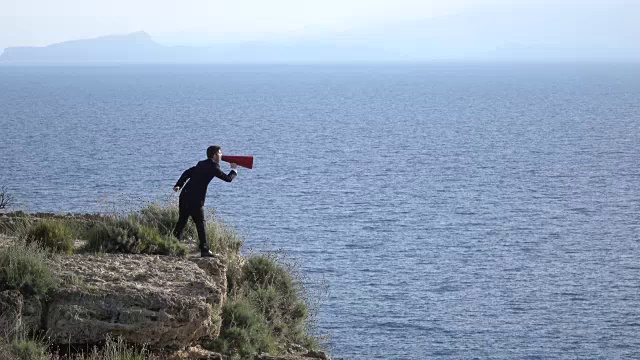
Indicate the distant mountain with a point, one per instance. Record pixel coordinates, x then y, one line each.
585 31
140 48
129 48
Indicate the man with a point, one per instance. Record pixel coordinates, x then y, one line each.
194 192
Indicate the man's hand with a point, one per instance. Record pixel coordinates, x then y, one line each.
176 188
234 165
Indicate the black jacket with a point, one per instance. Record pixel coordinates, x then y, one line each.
199 176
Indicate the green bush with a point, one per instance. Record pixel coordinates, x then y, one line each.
17 227
24 268
53 235
28 350
284 313
244 330
263 271
130 237
263 290
22 348
273 291
222 239
164 219
234 276
117 350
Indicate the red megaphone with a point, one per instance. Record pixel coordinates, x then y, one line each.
244 161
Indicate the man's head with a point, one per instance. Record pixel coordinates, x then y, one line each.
214 153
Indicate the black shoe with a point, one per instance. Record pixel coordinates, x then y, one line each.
206 253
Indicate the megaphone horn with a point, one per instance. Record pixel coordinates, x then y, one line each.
244 161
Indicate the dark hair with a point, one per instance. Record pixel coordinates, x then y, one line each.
212 150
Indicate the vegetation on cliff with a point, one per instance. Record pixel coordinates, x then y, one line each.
28 349
23 267
53 235
265 310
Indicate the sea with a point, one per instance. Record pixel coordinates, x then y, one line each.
434 211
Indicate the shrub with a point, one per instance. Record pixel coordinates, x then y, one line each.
130 237
28 350
78 227
244 330
163 218
263 290
282 311
222 239
53 235
17 227
117 350
24 268
273 291
262 271
234 276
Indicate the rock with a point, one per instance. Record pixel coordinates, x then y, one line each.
32 313
19 313
296 349
195 353
160 301
311 354
316 354
216 269
11 303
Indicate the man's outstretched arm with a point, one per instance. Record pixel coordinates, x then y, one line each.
186 175
226 177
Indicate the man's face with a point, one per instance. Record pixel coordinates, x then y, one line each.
217 156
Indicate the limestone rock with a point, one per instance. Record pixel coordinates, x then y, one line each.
310 355
18 312
216 269
316 354
11 303
195 353
32 313
155 300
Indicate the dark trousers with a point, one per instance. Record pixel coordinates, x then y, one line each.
197 214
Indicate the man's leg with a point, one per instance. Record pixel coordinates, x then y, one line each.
198 218
183 217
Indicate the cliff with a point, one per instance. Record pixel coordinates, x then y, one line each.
175 307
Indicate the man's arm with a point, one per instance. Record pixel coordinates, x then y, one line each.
226 177
186 175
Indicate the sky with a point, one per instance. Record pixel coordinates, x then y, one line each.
42 22
203 22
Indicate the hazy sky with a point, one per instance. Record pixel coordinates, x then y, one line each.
42 22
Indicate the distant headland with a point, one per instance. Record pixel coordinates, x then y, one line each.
133 47
140 48
466 37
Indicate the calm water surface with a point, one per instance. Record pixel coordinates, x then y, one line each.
439 211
